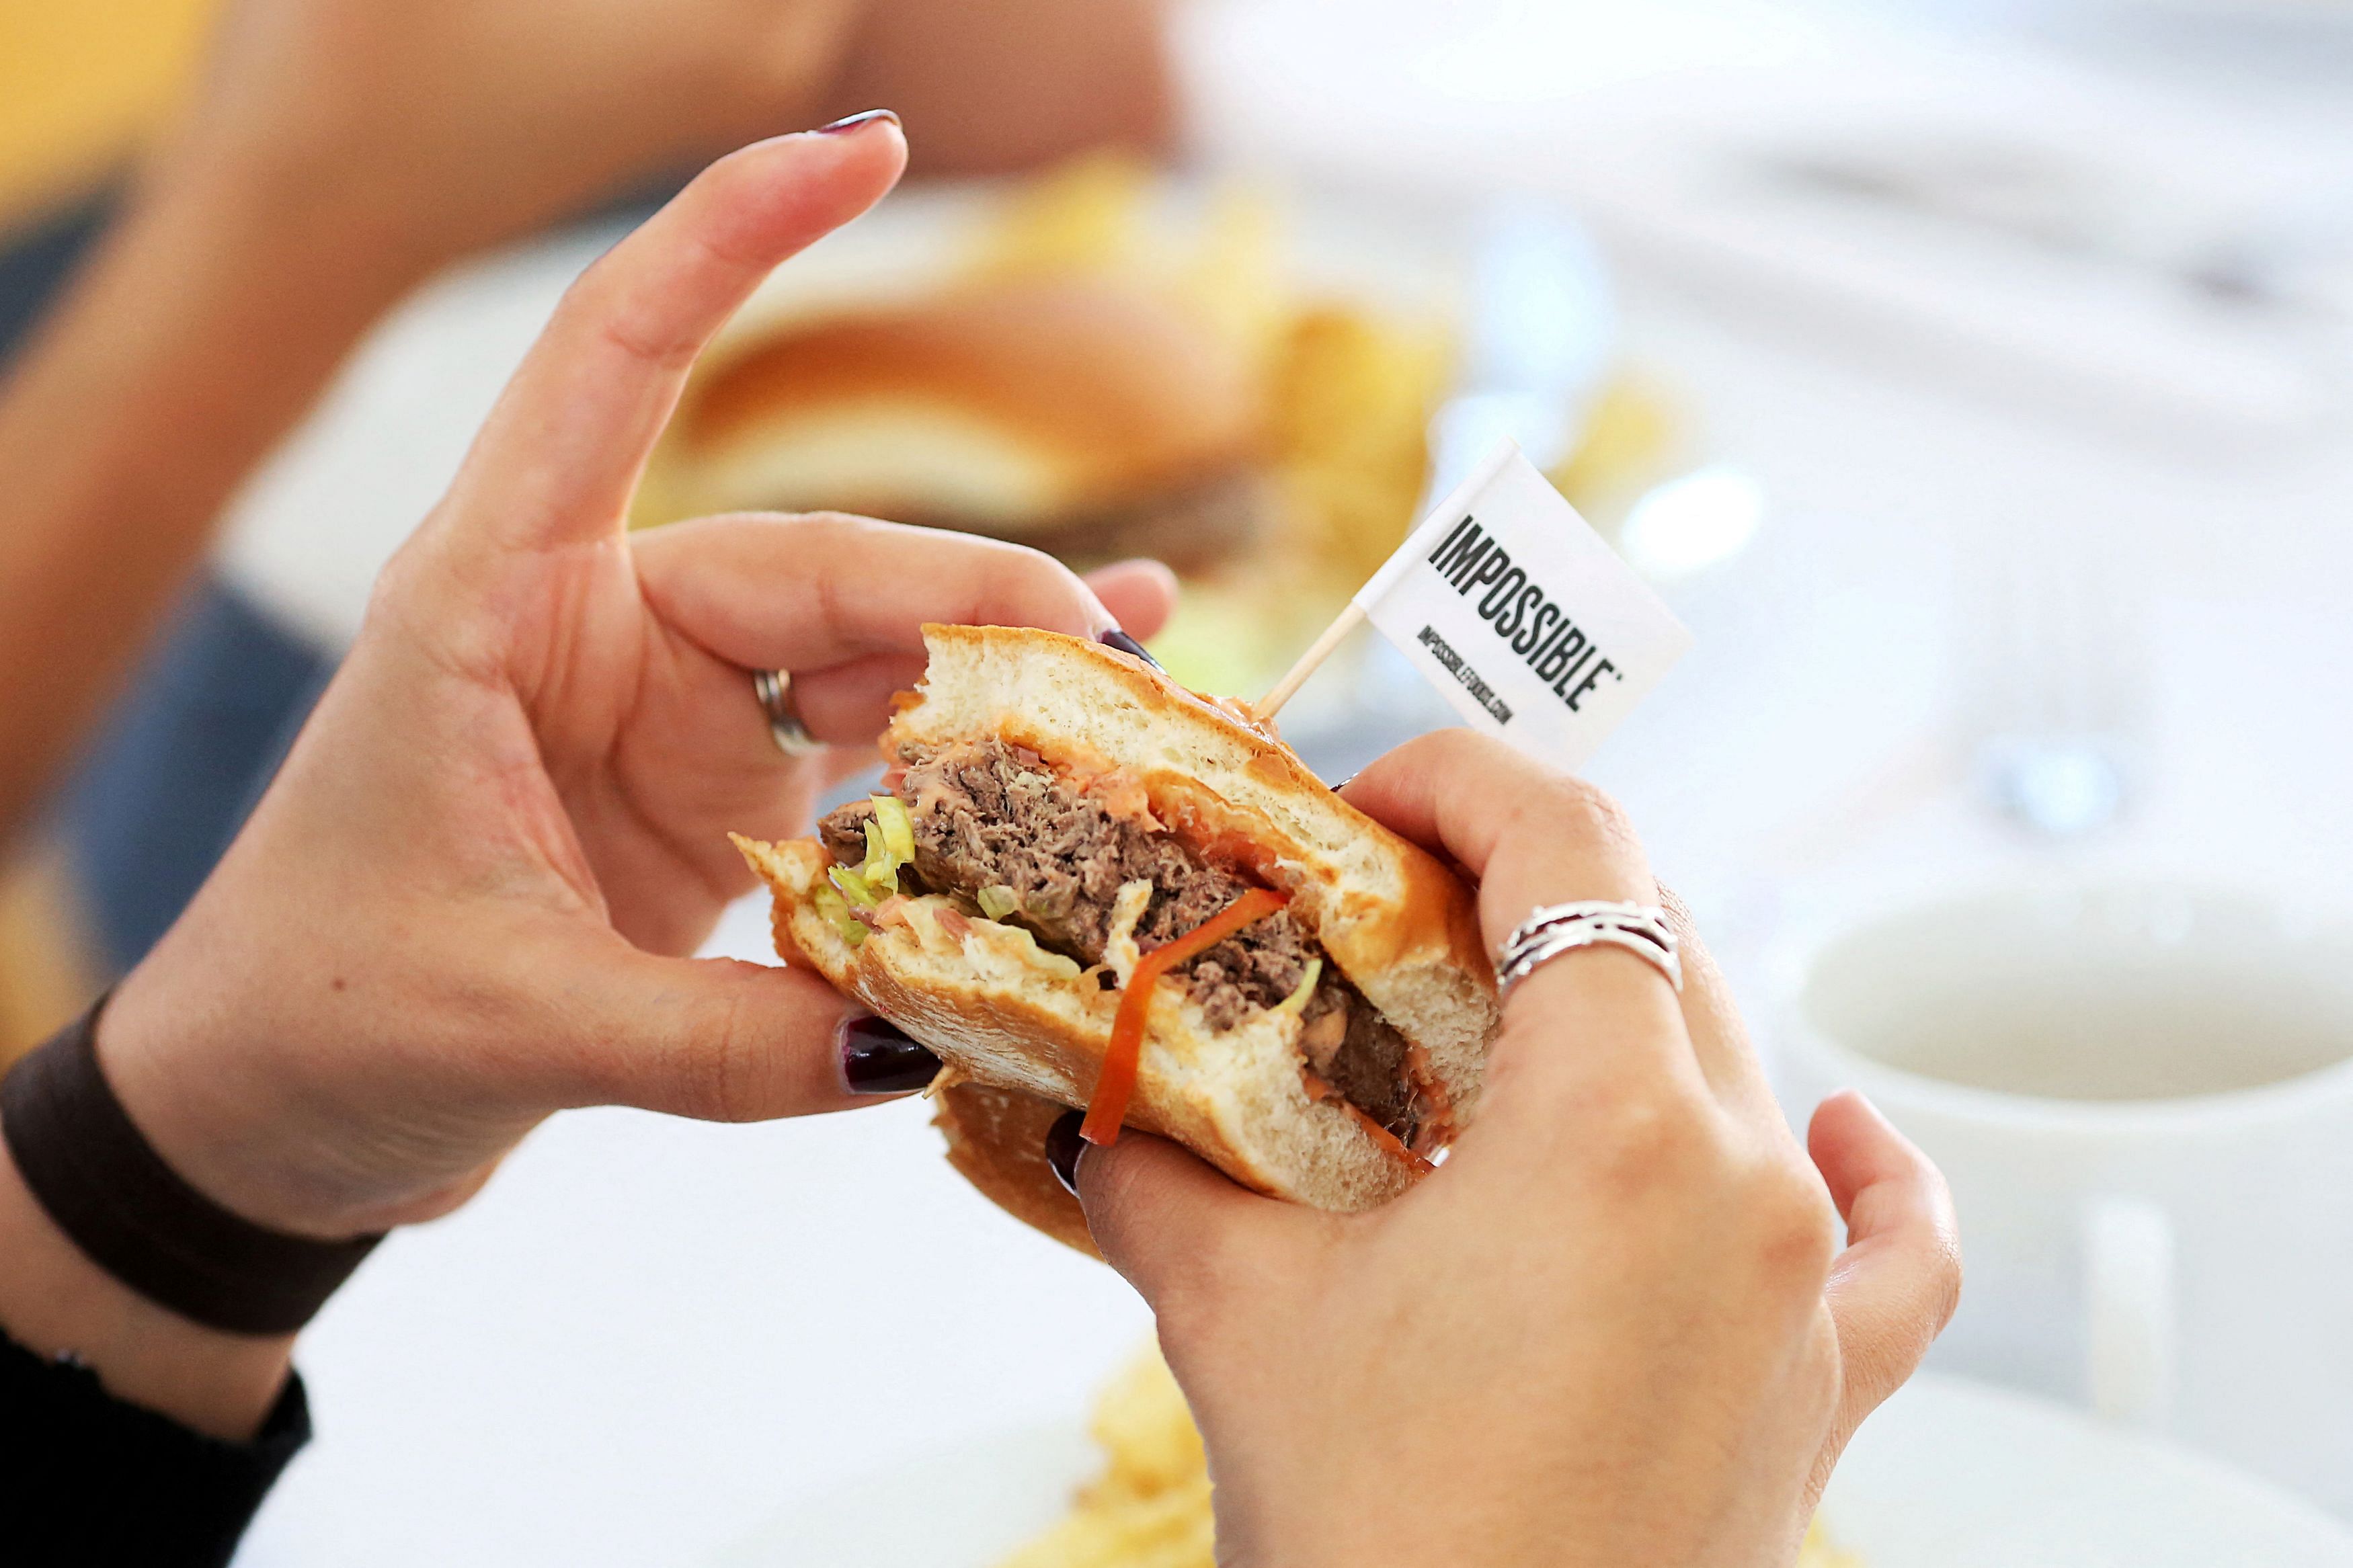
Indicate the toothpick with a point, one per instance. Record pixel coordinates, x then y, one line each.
1318 651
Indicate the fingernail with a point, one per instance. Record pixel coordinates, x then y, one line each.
1115 639
1063 1147
852 121
879 1058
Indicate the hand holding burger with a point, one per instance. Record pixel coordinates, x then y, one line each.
466 900
1617 1326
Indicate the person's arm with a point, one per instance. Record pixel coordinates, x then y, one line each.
1617 1325
203 328
335 152
465 901
1015 83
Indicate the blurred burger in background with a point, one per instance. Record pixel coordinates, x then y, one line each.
1080 415
1102 362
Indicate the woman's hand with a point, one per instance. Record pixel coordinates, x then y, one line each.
463 904
1617 1326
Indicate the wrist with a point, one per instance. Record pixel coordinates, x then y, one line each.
303 1096
201 1076
54 1300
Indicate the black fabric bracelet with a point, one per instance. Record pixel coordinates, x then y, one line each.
132 1215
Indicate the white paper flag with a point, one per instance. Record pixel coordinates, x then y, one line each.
1517 610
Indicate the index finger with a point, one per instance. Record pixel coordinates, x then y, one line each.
1532 837
557 458
812 591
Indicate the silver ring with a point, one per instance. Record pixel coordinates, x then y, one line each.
1556 928
774 688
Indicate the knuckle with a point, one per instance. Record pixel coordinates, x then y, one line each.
1573 805
1795 1227
1647 1141
721 1067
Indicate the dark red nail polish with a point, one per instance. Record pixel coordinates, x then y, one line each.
1063 1147
852 121
1115 639
879 1058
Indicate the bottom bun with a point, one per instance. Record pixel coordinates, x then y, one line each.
997 1140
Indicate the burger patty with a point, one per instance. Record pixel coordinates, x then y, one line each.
986 814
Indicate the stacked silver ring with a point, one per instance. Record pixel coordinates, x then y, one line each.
1556 928
774 688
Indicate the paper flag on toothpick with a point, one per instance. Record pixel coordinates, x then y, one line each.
1512 606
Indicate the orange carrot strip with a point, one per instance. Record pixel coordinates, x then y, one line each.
1107 1107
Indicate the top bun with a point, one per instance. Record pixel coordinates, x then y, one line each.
1016 410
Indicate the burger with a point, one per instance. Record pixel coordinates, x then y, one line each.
1085 886
1089 419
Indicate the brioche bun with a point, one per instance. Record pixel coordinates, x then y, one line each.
1003 1013
1040 412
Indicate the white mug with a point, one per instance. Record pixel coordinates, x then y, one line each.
2142 1094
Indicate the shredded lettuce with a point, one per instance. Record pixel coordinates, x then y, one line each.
879 869
998 900
890 843
833 907
853 886
898 828
1297 1001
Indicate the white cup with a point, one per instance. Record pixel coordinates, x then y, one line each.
2142 1094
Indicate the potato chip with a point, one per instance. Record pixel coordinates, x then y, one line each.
1150 1507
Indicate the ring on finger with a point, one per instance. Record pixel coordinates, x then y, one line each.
774 688
1557 929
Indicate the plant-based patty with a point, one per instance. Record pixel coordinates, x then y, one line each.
991 815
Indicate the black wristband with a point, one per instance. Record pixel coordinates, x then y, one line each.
132 1215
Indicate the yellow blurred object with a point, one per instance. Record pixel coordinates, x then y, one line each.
1150 1507
47 971
82 82
1350 402
1349 390
1629 437
1079 217
1818 1552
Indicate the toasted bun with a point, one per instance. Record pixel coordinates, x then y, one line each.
1005 1013
1014 410
997 1140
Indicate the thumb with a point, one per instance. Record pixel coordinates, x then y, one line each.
714 1038
1174 1227
1894 1288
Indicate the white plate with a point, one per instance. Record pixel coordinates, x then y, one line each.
1948 1475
